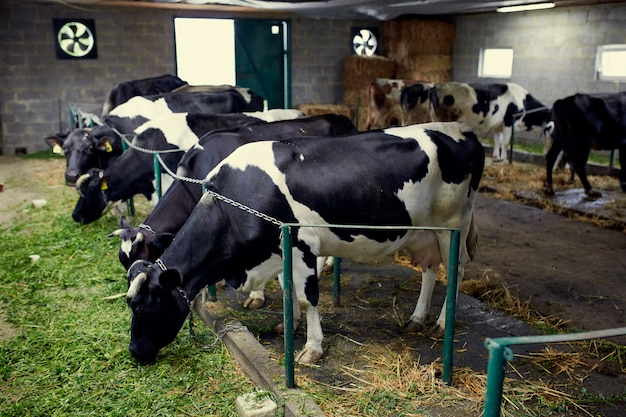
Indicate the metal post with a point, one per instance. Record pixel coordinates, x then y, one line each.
131 201
337 281
495 377
510 152
288 306
448 338
157 175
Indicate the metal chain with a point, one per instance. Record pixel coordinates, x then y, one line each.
219 336
145 150
220 196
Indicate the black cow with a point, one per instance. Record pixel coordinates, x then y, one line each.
583 122
421 175
153 236
124 91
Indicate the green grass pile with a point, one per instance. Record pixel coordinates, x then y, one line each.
69 352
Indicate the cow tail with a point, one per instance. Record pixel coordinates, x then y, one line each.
471 242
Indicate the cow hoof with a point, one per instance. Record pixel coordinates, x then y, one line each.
593 194
436 332
253 303
308 357
412 327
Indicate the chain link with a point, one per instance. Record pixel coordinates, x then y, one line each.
220 196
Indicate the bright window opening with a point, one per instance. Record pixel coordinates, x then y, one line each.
611 62
496 63
205 50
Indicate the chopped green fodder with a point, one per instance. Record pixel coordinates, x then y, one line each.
70 352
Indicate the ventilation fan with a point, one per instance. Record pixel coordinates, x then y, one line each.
75 39
364 42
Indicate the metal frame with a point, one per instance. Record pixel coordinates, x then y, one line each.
499 351
453 265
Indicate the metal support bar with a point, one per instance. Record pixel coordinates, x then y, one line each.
337 281
157 175
451 292
499 352
453 265
131 201
288 306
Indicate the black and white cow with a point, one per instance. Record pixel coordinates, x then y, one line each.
421 175
96 148
583 122
150 239
133 172
415 103
122 92
489 107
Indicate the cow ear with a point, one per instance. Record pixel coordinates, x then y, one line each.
170 279
124 223
163 240
55 143
105 145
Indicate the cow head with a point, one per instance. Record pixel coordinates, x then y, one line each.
92 202
140 243
159 308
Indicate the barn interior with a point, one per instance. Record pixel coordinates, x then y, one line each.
554 50
322 69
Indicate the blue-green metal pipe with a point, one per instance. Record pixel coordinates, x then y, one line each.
288 306
499 352
337 281
157 175
448 337
131 201
495 378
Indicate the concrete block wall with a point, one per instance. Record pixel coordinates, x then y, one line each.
318 50
553 50
132 43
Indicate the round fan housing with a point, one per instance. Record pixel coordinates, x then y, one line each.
75 39
364 43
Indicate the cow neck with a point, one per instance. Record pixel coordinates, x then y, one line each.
174 207
200 251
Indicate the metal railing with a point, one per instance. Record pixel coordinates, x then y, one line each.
451 292
499 352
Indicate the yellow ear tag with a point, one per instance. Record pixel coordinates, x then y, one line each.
108 146
104 186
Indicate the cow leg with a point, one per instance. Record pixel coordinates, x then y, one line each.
417 321
551 158
312 350
622 163
255 300
497 147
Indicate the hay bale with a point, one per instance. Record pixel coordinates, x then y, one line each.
359 71
314 109
403 37
426 76
426 62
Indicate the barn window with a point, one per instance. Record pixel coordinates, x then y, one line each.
495 63
611 62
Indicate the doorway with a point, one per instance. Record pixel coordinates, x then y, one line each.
251 53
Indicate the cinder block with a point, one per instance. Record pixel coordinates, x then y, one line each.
256 404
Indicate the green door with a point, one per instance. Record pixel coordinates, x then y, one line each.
262 59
